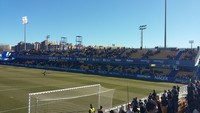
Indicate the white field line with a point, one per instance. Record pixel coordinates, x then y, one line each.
4 111
12 89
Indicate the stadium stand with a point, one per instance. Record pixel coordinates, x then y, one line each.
188 55
162 54
171 64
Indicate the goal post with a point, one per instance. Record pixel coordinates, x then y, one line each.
76 99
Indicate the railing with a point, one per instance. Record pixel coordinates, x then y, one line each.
178 55
182 93
197 59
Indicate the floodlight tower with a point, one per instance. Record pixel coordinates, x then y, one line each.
47 37
165 29
63 42
142 27
47 42
24 21
79 40
191 42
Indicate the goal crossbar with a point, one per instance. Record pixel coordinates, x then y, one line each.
58 90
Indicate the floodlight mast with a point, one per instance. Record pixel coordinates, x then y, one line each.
165 28
24 21
191 42
79 40
142 27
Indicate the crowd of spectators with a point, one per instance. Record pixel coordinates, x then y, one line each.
118 52
126 69
188 54
193 97
168 102
109 52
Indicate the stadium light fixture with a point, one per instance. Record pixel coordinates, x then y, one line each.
142 27
78 40
191 42
24 21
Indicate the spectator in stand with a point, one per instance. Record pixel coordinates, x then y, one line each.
178 88
190 90
165 93
169 97
164 103
151 107
184 106
135 104
193 96
122 110
150 96
145 103
100 110
129 109
142 108
112 111
198 87
154 95
174 100
158 104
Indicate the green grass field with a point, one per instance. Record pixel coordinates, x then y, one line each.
17 82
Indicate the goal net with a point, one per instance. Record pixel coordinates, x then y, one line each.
70 100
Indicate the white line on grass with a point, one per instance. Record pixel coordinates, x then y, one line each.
12 89
4 111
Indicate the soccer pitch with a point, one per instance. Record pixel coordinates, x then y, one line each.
17 82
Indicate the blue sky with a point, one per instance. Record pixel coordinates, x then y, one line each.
102 22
